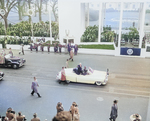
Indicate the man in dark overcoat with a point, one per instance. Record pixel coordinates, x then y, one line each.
114 111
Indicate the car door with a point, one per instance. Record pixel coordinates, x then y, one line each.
71 77
85 79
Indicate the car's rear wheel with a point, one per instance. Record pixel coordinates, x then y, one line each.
67 81
98 83
15 66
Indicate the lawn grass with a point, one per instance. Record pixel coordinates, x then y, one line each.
108 47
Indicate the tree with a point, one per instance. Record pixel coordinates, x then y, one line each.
29 4
19 8
133 34
39 6
7 5
54 8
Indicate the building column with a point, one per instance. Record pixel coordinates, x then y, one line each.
120 25
100 21
82 17
141 32
103 14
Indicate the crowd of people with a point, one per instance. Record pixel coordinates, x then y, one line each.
57 48
71 115
61 115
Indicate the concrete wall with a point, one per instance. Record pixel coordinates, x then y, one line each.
69 19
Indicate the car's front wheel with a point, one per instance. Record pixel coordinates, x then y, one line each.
15 66
98 83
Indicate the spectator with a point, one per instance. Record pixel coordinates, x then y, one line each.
72 109
20 117
69 47
63 116
35 118
60 46
21 49
76 115
55 49
59 107
71 55
10 114
75 49
137 117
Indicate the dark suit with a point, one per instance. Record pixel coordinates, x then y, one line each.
79 70
114 112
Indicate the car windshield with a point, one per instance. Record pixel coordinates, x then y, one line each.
90 70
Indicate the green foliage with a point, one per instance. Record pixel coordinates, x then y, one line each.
107 35
55 43
13 40
24 29
109 47
90 34
2 41
133 34
55 30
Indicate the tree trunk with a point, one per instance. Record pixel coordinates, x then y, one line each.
46 7
55 16
19 11
40 18
35 11
5 21
29 1
40 8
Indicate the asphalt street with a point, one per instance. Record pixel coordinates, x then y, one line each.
129 83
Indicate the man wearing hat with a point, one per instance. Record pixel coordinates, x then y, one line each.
35 117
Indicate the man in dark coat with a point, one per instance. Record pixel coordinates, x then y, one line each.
114 111
34 87
69 47
80 69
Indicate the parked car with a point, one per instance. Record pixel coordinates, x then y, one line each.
9 61
93 77
1 75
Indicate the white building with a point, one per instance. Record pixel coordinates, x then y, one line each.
73 15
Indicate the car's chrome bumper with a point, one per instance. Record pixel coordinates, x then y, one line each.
57 76
1 76
22 63
105 81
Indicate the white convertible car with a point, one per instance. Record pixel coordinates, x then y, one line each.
93 77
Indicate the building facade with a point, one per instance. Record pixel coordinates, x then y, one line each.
120 15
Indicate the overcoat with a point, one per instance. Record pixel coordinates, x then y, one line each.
34 86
